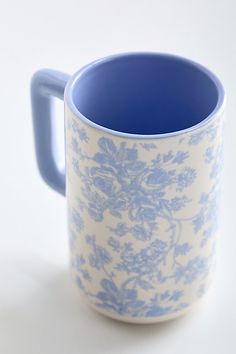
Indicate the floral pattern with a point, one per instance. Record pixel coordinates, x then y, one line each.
143 218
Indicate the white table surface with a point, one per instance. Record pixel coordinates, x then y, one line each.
40 312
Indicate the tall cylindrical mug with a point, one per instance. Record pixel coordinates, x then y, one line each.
143 137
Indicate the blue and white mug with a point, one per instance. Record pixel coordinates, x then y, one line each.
143 136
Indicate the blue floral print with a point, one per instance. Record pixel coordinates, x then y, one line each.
100 256
125 301
76 219
144 250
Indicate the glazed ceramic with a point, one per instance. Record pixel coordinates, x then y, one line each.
143 136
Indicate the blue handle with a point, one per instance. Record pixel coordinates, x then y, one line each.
46 84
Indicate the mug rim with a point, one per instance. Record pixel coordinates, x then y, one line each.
85 69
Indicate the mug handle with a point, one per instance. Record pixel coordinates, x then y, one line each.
45 85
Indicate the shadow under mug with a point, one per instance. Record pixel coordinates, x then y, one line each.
143 135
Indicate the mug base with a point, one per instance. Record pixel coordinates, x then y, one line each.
141 320
138 320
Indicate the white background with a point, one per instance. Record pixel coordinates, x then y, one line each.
39 310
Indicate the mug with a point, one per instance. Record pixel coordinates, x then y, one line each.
143 152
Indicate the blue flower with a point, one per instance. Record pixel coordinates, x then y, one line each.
146 214
186 177
119 300
115 244
99 256
157 305
145 261
198 221
182 249
127 247
120 230
158 176
95 213
156 249
96 205
199 266
80 131
141 233
177 203
80 263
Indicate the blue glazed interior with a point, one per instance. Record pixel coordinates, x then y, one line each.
145 93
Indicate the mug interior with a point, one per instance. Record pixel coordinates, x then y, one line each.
145 93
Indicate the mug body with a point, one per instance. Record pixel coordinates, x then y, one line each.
142 183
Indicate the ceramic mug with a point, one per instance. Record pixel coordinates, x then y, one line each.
143 135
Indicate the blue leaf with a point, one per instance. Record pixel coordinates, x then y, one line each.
135 166
95 214
158 176
182 249
109 286
145 285
131 154
102 158
130 294
107 146
101 295
180 157
104 184
115 213
158 311
198 222
167 157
